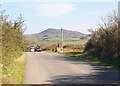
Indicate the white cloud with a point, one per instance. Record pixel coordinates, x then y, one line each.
55 9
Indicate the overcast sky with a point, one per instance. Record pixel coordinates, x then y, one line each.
76 16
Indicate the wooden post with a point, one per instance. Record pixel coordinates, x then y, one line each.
61 39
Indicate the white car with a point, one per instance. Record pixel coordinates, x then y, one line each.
32 49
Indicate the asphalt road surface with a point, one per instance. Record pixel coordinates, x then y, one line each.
52 68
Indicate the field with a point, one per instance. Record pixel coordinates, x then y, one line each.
68 44
75 42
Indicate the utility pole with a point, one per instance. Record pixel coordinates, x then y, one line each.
61 39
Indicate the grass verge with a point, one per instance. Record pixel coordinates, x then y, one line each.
89 57
15 71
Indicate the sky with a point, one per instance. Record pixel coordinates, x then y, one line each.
75 16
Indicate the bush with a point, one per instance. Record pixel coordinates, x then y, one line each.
12 39
105 41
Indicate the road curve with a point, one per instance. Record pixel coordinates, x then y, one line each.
52 68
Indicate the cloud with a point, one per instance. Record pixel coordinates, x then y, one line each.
55 9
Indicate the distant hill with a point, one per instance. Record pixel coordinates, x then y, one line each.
55 34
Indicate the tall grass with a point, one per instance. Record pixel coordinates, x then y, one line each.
15 71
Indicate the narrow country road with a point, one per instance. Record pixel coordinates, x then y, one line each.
52 68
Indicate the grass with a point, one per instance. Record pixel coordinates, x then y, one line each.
89 57
15 71
76 42
67 42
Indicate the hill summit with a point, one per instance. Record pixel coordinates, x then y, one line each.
51 34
